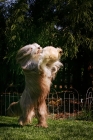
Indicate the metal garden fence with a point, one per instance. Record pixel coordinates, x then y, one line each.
89 99
63 104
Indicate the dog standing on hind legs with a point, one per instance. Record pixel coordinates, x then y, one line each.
37 85
33 98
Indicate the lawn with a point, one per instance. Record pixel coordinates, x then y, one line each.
58 130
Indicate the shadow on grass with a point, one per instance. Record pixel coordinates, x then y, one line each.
15 125
9 125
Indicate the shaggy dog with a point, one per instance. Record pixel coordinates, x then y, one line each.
37 84
14 109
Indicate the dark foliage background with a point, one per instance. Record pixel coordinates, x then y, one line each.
64 23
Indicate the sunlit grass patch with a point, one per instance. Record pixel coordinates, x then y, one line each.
57 130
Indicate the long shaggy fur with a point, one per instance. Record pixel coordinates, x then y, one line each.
37 85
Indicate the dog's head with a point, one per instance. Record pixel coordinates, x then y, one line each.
28 53
52 53
36 51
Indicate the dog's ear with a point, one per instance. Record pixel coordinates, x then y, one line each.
24 55
23 52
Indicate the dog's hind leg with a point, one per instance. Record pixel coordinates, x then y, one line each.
42 114
27 116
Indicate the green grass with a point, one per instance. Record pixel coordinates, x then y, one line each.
57 130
